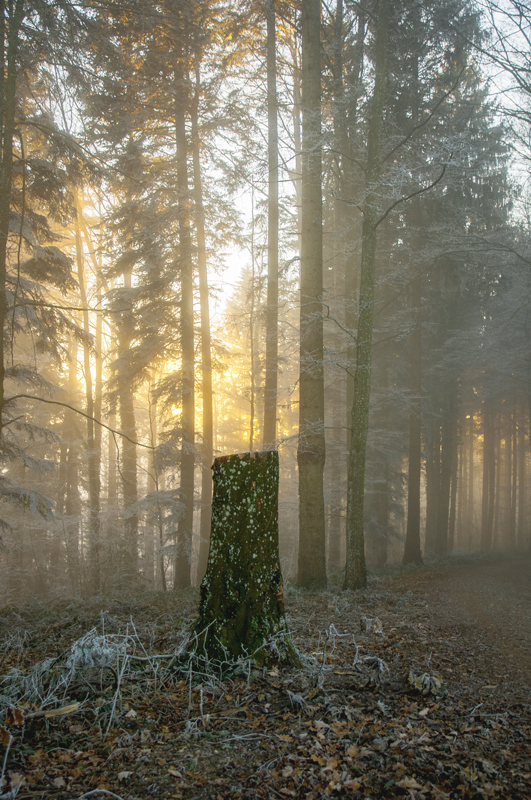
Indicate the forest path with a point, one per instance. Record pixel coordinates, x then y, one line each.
485 609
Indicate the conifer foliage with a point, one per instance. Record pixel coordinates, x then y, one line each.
225 226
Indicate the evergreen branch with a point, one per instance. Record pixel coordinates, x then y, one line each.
81 413
424 121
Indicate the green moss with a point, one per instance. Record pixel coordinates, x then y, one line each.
241 599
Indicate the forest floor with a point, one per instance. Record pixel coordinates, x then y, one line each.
451 718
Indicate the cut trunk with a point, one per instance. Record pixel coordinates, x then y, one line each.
241 611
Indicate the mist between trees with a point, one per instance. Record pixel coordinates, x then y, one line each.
379 332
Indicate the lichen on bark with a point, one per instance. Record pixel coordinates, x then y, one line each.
241 609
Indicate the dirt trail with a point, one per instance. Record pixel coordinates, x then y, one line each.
487 608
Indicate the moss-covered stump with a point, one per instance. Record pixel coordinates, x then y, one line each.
241 609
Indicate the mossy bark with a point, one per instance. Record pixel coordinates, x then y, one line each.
241 608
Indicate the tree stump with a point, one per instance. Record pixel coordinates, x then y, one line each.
241 609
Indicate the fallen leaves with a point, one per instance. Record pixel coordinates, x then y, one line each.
348 728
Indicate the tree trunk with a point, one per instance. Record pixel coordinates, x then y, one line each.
206 347
355 573
128 471
471 493
241 607
447 437
271 355
433 484
8 105
311 448
412 550
487 501
453 489
512 518
93 452
522 499
183 558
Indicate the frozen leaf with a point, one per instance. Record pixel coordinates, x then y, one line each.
424 712
425 683
175 773
409 783
5 736
123 776
15 717
371 625
352 785
16 780
287 771
131 714
58 783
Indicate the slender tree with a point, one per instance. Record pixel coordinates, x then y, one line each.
355 574
311 448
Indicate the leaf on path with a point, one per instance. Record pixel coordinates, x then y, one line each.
409 783
425 683
5 736
371 625
15 717
123 776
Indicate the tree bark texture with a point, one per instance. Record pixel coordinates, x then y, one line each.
433 483
128 471
356 573
12 17
522 498
412 550
241 610
487 502
311 448
93 450
271 355
183 558
206 345
443 506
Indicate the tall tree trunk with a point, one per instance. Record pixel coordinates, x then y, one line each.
206 346
352 178
11 20
487 501
433 484
471 476
271 356
355 573
412 550
93 454
522 488
311 448
447 438
184 532
128 471
512 518
453 489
